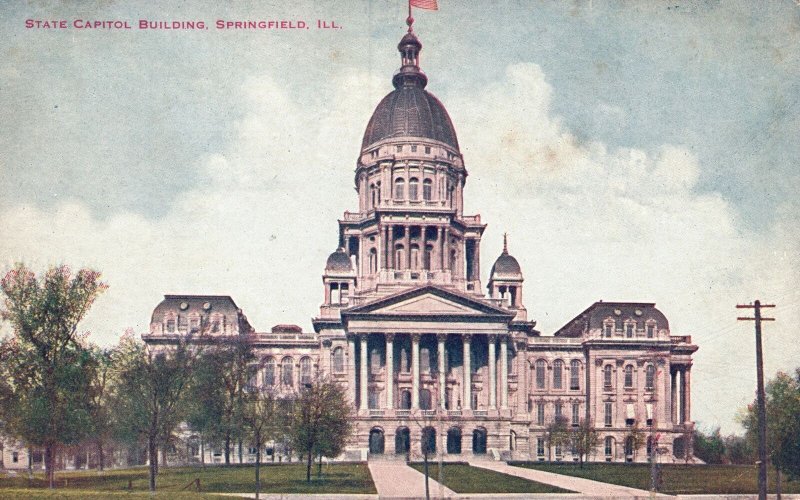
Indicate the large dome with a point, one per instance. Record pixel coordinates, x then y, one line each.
410 110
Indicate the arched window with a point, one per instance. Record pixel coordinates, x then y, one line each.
399 189
427 190
305 370
287 372
540 374
574 375
650 377
378 191
629 376
425 360
373 261
338 360
558 372
454 441
609 448
335 294
428 258
413 189
372 194
399 257
415 261
269 372
405 400
607 376
629 448
425 399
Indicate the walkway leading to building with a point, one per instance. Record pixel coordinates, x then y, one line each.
398 480
577 484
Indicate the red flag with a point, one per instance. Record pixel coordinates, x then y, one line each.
424 4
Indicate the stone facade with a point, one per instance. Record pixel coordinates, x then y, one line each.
427 356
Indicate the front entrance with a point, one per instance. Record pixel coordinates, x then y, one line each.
376 441
479 441
402 441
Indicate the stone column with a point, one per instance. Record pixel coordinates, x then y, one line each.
492 373
415 371
687 392
383 248
408 246
389 370
446 250
364 372
504 372
422 249
351 366
390 264
467 383
673 399
442 375
440 250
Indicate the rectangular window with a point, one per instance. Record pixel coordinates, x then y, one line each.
171 326
649 411
540 447
15 457
399 148
427 150
608 330
559 407
651 331
539 413
576 414
629 330
413 148
607 417
630 414
558 452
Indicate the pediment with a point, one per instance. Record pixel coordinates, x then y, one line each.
428 301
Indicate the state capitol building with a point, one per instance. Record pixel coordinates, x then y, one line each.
427 350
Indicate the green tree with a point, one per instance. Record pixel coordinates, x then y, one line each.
584 439
710 448
738 450
320 420
556 434
264 418
783 422
46 397
149 398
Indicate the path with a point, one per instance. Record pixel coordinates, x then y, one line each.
398 480
577 484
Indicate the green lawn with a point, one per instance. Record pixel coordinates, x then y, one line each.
284 478
462 478
677 479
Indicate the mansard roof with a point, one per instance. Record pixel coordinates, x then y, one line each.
201 304
594 316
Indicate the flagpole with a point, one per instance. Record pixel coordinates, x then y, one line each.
409 20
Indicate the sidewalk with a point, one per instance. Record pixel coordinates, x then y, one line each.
577 484
398 480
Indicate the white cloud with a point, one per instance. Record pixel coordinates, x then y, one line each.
586 223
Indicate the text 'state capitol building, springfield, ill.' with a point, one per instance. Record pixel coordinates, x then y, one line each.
424 353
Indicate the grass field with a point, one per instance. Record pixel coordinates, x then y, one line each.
677 479
462 478
284 478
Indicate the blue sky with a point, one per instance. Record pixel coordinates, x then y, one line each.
632 150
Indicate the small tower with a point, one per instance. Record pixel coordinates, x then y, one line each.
339 280
505 282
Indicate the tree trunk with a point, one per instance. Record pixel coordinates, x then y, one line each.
319 466
227 449
778 482
258 465
309 461
101 456
202 452
240 451
152 452
49 465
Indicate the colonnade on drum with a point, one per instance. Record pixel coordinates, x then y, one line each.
441 353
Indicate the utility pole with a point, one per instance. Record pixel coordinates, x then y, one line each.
761 398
